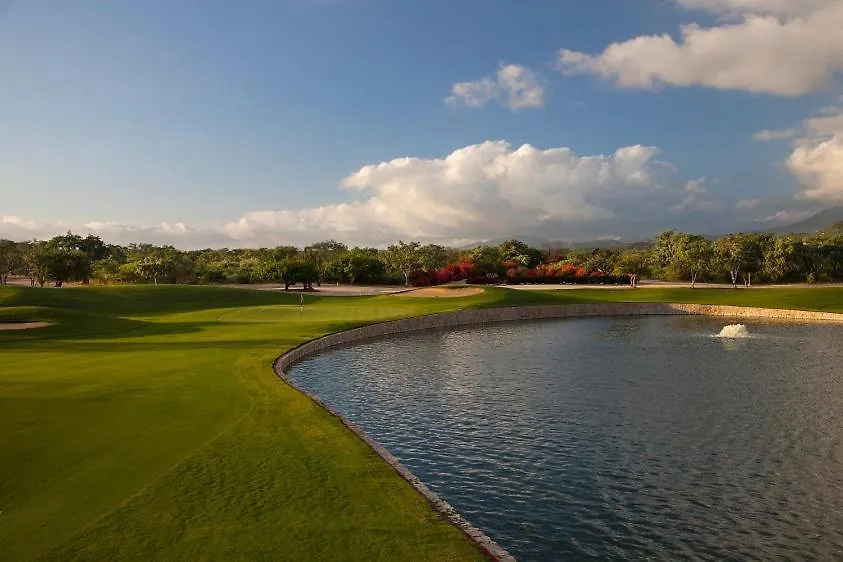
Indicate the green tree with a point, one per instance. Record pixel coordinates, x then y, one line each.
37 263
93 247
72 257
757 245
664 257
10 259
596 259
66 264
107 270
633 262
777 259
263 271
433 257
732 251
404 258
281 253
306 274
321 254
520 253
788 258
334 270
826 256
486 260
178 266
357 265
555 255
288 272
693 254
742 255
151 268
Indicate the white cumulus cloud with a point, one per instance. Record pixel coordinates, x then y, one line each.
780 47
12 226
477 192
513 85
817 156
819 167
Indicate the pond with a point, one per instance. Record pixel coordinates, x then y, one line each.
614 438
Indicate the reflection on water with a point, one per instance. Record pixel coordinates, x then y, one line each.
614 438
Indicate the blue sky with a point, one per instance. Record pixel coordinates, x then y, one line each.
230 123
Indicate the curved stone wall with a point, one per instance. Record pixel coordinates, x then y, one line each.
284 363
496 315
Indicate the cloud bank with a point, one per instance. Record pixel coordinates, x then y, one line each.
476 192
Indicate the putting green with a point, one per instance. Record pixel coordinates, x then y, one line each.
146 423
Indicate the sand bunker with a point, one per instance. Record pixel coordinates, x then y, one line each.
21 325
441 292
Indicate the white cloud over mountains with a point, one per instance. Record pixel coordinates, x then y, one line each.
476 192
817 156
747 203
696 198
781 47
819 167
513 86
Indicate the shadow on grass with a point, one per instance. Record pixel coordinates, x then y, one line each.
142 299
71 326
135 347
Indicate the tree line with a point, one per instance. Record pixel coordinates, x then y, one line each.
740 258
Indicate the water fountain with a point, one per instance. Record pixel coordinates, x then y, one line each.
733 331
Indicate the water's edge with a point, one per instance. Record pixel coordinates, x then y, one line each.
490 548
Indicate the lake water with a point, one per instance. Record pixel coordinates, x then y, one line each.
614 438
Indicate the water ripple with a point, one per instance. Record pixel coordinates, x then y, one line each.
620 439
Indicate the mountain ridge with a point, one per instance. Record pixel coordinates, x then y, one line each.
820 221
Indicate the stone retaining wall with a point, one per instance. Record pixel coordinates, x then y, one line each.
492 550
496 315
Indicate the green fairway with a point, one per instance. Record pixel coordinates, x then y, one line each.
147 423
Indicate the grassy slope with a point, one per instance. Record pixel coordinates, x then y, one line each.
148 424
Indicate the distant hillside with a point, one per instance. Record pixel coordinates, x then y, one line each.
589 244
539 242
534 241
820 221
836 228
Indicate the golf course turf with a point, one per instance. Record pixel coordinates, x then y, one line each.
146 423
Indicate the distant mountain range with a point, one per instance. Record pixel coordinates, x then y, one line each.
830 220
821 221
541 242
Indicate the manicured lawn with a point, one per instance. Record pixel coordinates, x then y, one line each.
148 424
